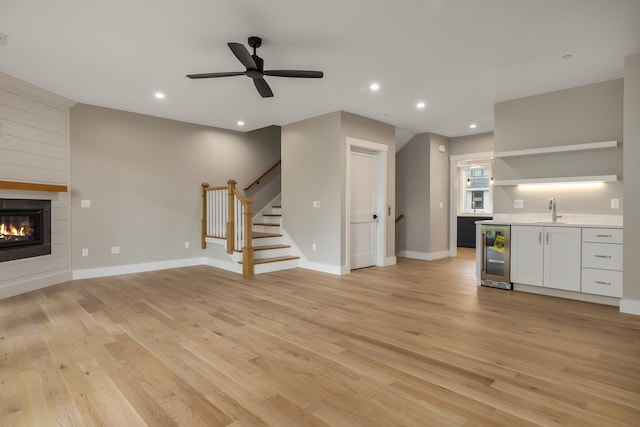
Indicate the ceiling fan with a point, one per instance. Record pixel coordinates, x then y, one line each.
255 68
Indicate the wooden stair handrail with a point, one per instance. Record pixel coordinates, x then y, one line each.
399 217
247 232
258 179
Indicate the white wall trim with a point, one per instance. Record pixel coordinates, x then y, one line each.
367 145
630 306
391 260
34 283
234 267
453 195
323 268
425 256
560 293
381 230
136 268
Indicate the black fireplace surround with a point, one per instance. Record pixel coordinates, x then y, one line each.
25 228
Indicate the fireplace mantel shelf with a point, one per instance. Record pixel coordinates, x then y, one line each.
32 186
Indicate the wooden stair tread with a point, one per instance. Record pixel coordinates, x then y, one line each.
277 215
274 259
267 247
276 206
260 235
266 224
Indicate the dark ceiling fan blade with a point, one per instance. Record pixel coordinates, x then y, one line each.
211 75
295 73
242 54
263 87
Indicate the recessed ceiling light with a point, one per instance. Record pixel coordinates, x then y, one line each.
374 86
159 95
240 123
421 105
473 126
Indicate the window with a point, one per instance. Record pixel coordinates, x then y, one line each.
476 191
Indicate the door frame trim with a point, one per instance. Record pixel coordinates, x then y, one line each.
381 151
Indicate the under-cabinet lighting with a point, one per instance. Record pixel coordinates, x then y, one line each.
561 185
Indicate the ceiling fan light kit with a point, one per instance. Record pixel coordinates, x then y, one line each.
255 68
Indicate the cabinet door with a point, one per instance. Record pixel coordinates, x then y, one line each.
526 255
562 255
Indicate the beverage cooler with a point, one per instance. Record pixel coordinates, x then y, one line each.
495 267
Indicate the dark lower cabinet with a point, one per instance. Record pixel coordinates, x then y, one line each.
467 230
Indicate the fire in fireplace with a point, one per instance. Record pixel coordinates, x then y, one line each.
25 228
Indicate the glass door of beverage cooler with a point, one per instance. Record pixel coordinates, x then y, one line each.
495 255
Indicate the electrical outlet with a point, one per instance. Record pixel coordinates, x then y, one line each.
615 203
85 252
115 250
316 204
518 204
186 244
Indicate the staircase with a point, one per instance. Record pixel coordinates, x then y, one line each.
254 244
270 252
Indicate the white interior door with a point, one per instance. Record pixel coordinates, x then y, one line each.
363 217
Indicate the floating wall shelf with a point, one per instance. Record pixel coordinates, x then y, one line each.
557 149
559 180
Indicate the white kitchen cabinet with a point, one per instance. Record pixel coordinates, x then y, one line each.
527 263
602 262
546 256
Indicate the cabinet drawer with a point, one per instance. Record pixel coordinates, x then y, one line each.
602 255
602 282
602 235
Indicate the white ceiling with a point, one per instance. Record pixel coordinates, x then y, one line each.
459 56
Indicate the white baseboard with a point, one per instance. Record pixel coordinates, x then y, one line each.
223 265
34 283
630 306
136 268
323 268
426 256
560 293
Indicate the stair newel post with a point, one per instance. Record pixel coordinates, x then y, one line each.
247 250
231 209
203 241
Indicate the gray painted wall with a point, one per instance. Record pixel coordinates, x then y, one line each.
438 194
631 236
584 114
359 127
314 168
143 175
470 144
412 195
422 183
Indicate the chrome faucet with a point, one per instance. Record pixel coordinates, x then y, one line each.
552 208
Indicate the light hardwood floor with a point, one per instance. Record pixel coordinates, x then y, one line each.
417 344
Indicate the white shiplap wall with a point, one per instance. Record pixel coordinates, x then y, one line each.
34 148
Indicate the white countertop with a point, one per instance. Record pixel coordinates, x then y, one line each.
567 220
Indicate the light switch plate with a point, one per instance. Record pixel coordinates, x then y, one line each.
115 250
518 204
316 204
85 203
85 252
